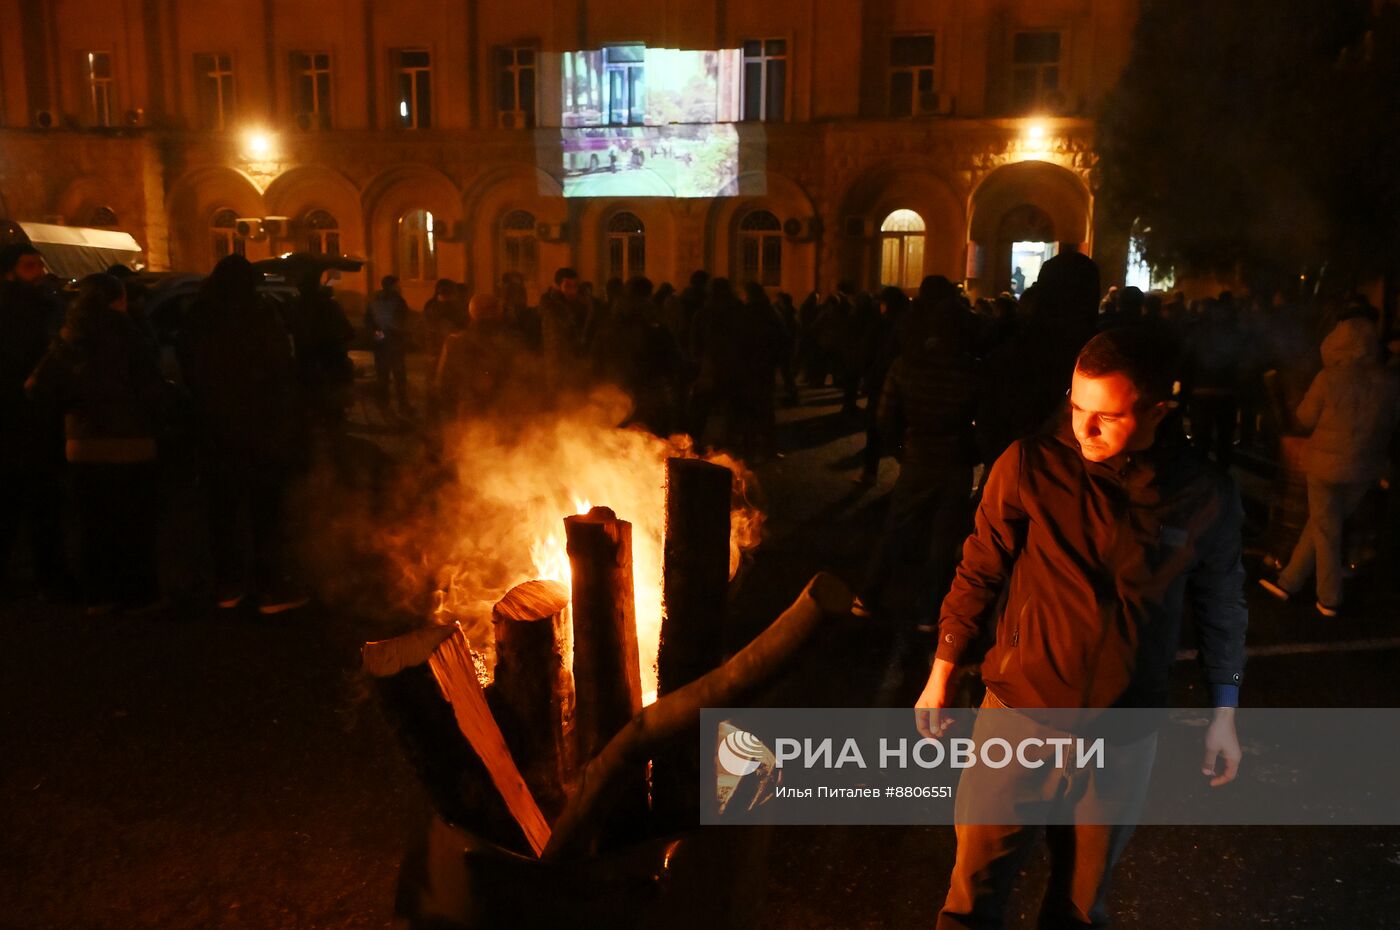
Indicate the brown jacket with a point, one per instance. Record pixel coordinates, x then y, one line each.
1100 559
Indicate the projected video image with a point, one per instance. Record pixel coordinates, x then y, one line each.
631 85
649 122
651 161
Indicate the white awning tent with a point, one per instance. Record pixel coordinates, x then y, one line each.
75 251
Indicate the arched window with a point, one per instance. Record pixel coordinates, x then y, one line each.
417 246
322 233
520 248
223 234
627 246
761 248
103 218
902 249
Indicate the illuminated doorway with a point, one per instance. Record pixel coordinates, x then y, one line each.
1026 259
902 249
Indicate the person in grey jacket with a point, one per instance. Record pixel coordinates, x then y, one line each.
1351 410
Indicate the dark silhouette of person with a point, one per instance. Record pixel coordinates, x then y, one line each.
31 434
236 359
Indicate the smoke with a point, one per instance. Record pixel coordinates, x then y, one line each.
448 540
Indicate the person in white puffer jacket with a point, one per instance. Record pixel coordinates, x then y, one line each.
1351 410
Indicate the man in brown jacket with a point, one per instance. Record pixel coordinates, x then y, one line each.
1100 532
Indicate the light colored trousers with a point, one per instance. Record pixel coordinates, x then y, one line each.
1082 854
1320 547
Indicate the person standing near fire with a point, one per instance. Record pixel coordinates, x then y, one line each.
1099 532
386 318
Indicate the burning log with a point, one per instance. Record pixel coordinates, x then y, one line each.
696 570
606 775
607 677
427 683
533 693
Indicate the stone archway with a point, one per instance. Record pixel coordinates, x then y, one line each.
493 198
1030 202
877 193
398 193
801 230
194 199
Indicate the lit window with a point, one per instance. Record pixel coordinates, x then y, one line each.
761 248
1035 70
902 249
515 88
415 97
627 246
223 234
214 76
520 250
417 246
311 89
911 76
765 79
100 81
322 233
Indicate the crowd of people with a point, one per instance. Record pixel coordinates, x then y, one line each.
949 383
86 403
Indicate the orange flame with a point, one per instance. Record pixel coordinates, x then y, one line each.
517 482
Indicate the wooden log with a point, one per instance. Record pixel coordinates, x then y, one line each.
695 569
607 675
604 779
427 682
533 692
696 589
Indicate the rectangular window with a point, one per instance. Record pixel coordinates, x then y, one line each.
99 77
214 93
1035 70
414 100
311 89
765 79
911 76
515 87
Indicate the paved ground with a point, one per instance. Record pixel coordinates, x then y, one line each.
193 770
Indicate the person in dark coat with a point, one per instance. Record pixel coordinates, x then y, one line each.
894 304
479 362
925 415
321 337
1025 379
564 312
715 341
236 359
102 372
1214 352
31 435
636 352
386 319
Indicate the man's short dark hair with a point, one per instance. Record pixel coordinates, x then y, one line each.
388 281
11 254
563 274
1138 354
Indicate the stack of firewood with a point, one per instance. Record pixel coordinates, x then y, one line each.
555 759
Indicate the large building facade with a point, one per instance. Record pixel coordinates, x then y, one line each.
877 140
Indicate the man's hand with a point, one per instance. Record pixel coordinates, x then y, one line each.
937 694
1221 740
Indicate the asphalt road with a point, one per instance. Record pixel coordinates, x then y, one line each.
190 769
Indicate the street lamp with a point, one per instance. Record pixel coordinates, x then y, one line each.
257 145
